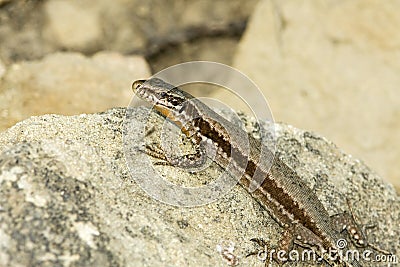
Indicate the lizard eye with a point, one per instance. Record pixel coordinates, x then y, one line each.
164 95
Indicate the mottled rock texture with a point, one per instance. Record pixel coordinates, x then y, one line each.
68 198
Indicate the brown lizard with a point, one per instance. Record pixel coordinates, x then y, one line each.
281 191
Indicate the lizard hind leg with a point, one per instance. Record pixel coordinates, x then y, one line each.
312 246
344 222
356 231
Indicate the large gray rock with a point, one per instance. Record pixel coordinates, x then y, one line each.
68 198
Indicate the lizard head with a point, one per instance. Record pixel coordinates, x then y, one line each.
165 98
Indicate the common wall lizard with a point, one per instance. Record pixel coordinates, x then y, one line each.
282 193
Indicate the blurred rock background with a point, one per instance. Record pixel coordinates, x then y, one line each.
328 66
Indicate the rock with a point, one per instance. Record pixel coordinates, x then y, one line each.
325 70
33 29
2 69
72 25
68 197
68 83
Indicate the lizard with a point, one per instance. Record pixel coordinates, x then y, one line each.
280 190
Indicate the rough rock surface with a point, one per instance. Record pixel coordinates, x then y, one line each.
68 199
332 67
68 83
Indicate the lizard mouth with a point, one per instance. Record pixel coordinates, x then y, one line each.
139 89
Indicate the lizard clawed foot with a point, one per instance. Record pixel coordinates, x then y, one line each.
155 151
262 254
187 161
261 243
